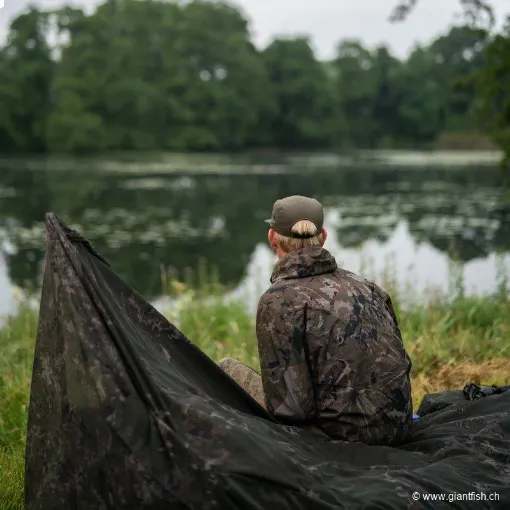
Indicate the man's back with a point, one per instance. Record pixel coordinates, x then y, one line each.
331 351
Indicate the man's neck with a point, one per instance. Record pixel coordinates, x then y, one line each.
309 261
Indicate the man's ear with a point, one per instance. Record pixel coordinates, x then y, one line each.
324 236
271 237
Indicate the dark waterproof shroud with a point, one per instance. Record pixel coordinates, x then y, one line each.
125 413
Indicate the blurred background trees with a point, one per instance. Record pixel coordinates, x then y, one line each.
186 77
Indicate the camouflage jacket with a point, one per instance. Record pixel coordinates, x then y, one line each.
331 351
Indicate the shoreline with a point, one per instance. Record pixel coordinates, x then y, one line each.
250 162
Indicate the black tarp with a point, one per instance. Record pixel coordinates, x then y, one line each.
125 413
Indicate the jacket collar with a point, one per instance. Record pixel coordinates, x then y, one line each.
309 261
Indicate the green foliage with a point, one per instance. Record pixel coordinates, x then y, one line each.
26 69
16 351
12 474
494 85
185 76
303 116
16 354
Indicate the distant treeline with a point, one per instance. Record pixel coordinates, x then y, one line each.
153 75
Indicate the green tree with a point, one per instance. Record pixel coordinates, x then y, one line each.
356 88
386 101
305 109
26 68
457 56
435 86
154 75
185 76
227 89
493 86
488 57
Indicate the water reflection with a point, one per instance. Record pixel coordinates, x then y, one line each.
415 268
142 221
7 303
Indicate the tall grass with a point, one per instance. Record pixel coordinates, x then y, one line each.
452 338
16 354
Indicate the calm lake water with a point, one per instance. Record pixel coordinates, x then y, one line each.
147 215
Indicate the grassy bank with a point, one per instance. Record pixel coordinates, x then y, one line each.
451 343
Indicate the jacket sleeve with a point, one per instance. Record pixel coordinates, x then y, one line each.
284 368
391 311
384 298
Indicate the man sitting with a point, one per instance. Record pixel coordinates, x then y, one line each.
331 352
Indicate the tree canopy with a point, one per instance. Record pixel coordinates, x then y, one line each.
154 75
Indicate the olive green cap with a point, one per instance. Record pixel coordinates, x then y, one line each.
288 211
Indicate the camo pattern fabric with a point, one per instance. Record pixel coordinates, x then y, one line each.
331 351
251 382
126 413
246 377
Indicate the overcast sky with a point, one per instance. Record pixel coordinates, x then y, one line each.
326 21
